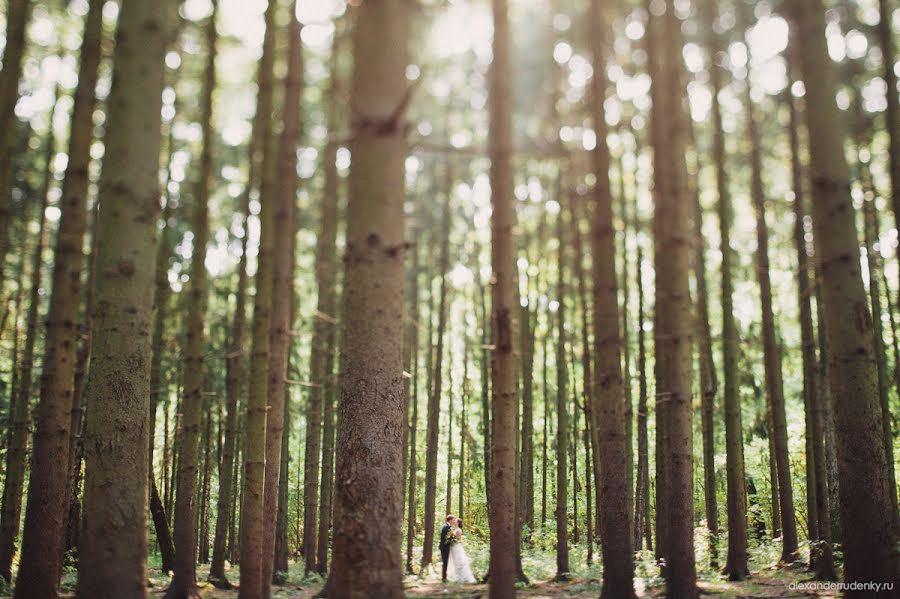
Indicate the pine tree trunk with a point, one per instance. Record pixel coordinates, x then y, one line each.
250 540
526 467
672 328
831 466
282 293
502 508
434 399
869 534
367 563
814 444
326 275
280 566
486 402
449 454
414 399
771 348
562 415
642 492
736 563
608 392
184 531
235 365
42 539
18 12
323 332
112 553
20 417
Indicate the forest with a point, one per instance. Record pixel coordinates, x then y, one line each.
462 298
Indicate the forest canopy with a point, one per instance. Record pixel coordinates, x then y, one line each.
387 298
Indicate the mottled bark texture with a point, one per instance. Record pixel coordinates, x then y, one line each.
870 548
366 562
113 551
673 322
42 539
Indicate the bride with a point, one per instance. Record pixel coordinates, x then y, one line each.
459 564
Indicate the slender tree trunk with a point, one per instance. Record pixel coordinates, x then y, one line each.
608 393
414 399
526 467
328 304
235 368
736 563
672 329
368 563
502 509
562 415
642 493
323 332
449 454
870 548
42 540
18 13
20 413
282 293
113 552
773 475
771 349
280 566
250 538
434 400
486 403
185 534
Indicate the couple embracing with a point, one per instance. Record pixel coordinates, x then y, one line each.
456 564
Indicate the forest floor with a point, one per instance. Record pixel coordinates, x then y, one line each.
769 583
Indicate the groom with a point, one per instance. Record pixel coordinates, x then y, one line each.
445 547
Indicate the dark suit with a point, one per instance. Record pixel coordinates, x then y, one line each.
445 549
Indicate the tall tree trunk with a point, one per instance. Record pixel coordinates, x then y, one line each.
414 399
608 392
708 380
366 563
642 492
326 274
18 12
873 259
672 329
282 292
323 334
42 539
20 412
870 549
449 454
192 408
434 399
771 348
562 415
736 562
502 509
831 466
526 467
254 440
112 553
235 363
486 401
280 563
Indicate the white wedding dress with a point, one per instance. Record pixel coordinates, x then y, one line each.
459 565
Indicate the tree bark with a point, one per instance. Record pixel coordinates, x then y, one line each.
771 348
42 539
562 414
185 534
112 553
869 542
366 563
282 292
502 509
254 448
434 399
18 13
414 399
736 562
20 412
608 393
672 329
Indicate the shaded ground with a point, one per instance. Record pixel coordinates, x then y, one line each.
769 583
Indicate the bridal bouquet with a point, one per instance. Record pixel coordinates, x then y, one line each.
452 539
